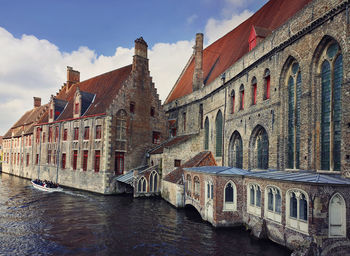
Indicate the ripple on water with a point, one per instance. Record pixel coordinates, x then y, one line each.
33 222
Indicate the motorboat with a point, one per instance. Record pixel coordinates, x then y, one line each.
44 187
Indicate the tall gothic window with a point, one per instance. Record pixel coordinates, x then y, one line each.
121 130
141 186
267 84
332 77
261 149
233 101
337 216
294 93
241 92
254 90
236 151
218 127
206 134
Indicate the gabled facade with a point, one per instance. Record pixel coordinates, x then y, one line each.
94 130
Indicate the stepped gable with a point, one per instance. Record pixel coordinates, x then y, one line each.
104 87
224 52
204 158
26 122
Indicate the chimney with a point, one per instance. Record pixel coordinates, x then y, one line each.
37 102
197 81
140 56
73 77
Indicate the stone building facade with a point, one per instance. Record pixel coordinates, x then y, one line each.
95 130
272 97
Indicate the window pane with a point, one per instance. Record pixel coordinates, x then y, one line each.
325 116
258 197
303 208
218 123
291 122
293 205
278 202
252 196
270 200
338 77
229 193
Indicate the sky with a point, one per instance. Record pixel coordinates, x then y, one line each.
40 38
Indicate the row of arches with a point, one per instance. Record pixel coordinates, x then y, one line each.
297 205
330 115
153 181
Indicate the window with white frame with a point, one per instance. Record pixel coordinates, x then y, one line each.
197 186
230 198
254 199
273 203
153 182
337 216
297 210
210 190
141 186
189 184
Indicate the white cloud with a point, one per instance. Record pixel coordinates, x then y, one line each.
32 67
215 28
192 18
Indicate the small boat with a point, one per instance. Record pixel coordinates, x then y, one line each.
44 187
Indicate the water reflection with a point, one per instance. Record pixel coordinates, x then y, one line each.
78 223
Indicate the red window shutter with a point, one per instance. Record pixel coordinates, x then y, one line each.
233 104
98 132
254 93
51 113
242 106
76 108
63 161
267 87
85 159
119 163
65 132
97 160
75 159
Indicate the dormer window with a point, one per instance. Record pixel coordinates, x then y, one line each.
76 108
257 34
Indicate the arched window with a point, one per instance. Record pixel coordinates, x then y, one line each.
210 190
254 90
121 130
153 182
241 92
197 186
297 210
254 199
332 78
337 216
294 94
206 134
267 84
260 146
141 186
236 151
232 102
189 184
230 198
273 203
218 127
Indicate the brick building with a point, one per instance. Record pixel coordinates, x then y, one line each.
91 131
271 97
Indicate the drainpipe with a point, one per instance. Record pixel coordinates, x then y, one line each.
58 152
39 158
223 77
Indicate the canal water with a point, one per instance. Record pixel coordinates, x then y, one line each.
80 223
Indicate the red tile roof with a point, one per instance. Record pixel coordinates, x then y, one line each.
27 121
224 52
204 158
105 87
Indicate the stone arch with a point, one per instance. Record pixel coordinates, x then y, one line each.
259 148
235 150
337 216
